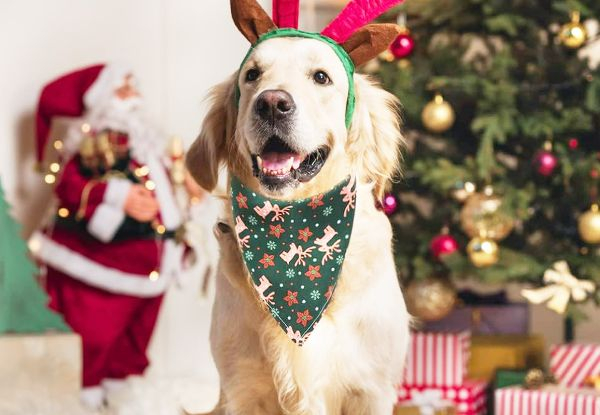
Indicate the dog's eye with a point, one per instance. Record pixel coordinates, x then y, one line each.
252 75
321 78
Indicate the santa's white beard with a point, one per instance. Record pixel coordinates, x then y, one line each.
128 116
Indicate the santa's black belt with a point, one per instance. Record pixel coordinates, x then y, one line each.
130 229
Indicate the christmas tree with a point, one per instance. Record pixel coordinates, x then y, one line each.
22 302
501 114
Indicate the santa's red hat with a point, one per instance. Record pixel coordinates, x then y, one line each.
73 94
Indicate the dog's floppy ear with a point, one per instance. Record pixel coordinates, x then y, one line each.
211 147
250 18
375 139
369 41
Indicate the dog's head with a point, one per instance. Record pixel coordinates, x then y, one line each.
295 119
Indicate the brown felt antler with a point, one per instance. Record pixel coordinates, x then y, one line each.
250 18
369 41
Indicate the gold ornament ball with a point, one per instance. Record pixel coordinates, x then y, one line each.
430 299
482 216
573 34
438 115
482 252
589 225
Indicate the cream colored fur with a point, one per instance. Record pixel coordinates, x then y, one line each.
354 358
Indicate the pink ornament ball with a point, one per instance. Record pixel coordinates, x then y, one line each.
443 245
402 46
389 204
545 163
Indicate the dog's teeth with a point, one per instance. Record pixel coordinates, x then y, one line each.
289 164
259 161
264 170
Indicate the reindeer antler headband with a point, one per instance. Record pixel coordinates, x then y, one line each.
351 38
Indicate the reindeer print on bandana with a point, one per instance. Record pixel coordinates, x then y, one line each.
294 251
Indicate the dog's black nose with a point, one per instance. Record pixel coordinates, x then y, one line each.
274 104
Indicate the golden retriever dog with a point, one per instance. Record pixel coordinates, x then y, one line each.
292 103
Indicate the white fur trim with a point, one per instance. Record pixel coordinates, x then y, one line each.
97 275
105 222
169 211
116 192
102 90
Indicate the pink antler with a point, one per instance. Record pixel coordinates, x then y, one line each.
285 13
355 15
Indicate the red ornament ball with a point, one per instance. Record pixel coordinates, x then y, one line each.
594 174
402 46
545 162
389 204
573 143
443 245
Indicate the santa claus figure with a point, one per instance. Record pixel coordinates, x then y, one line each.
112 246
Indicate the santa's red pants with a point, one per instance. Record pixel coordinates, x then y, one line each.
115 329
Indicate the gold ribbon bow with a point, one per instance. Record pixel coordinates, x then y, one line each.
561 287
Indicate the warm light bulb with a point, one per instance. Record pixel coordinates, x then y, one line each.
150 185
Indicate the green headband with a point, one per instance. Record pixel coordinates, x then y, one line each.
339 51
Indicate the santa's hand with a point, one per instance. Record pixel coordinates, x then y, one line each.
141 204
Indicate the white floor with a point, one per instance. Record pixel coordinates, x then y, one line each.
142 396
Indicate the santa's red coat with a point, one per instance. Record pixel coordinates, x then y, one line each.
133 266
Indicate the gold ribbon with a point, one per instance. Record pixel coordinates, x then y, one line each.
561 287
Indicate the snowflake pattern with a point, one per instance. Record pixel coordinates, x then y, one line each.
287 254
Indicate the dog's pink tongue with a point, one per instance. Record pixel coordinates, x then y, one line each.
280 161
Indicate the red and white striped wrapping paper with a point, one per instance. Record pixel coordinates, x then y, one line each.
550 400
469 398
437 359
571 364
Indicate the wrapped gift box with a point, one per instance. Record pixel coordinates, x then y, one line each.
490 353
550 400
484 319
41 363
437 359
572 364
468 399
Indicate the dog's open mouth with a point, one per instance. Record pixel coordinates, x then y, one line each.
278 164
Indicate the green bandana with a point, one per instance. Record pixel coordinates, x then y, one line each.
294 250
337 48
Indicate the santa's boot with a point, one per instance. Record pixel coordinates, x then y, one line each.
92 397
